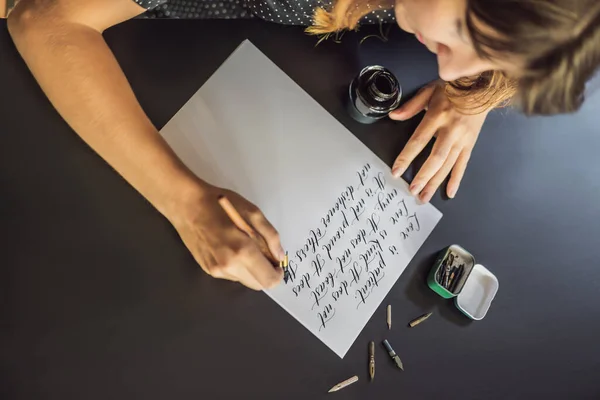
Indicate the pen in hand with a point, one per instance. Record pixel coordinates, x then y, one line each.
242 225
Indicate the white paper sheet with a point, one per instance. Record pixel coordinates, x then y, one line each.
350 228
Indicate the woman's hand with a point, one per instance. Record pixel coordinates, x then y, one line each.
221 249
456 136
115 126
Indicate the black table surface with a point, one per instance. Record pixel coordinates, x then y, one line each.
100 300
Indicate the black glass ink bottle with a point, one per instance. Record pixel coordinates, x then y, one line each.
373 94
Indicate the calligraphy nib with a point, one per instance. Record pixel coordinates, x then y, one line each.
286 275
398 363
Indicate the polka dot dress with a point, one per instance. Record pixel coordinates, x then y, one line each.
300 12
194 9
287 12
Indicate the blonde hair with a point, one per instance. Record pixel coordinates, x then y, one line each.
558 42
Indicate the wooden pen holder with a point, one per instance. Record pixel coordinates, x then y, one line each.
6 6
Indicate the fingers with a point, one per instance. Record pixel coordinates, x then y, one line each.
417 142
435 161
247 279
221 274
245 258
225 250
439 176
247 265
458 172
253 267
268 232
415 105
243 276
456 135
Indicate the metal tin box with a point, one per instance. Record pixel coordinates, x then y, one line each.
456 275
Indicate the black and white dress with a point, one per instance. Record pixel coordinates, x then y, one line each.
288 12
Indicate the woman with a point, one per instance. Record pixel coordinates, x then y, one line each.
537 53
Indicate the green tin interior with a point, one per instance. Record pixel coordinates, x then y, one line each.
432 281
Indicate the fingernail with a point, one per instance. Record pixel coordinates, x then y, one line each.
416 188
397 114
425 197
280 253
451 192
397 172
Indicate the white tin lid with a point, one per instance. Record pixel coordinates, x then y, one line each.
476 295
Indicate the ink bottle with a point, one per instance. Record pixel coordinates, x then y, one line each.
373 94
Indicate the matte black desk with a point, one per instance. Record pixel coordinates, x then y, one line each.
100 300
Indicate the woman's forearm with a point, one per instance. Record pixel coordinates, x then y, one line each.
82 79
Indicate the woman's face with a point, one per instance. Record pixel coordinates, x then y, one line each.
440 25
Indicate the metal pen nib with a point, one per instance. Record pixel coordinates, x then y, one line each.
372 359
418 320
393 354
343 384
